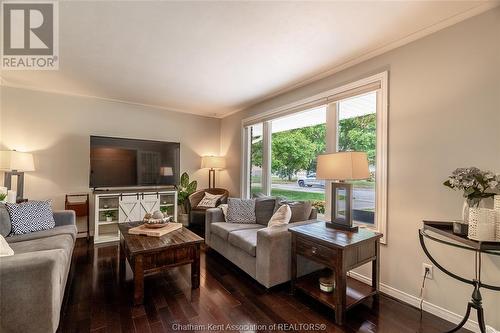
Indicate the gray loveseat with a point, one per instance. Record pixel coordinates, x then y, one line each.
33 280
263 253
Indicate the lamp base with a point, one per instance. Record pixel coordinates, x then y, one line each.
211 178
340 226
20 183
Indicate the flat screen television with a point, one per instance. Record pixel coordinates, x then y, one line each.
120 162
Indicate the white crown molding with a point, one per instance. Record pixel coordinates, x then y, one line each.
483 7
7 83
427 306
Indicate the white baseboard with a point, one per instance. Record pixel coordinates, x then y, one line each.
427 306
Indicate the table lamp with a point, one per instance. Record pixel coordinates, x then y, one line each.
342 166
15 163
212 163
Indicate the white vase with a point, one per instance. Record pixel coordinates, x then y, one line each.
109 219
466 209
11 196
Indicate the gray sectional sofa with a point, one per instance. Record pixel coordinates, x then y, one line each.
263 253
33 280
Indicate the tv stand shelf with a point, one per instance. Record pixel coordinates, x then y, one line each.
128 206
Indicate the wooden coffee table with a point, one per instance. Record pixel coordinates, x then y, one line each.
152 255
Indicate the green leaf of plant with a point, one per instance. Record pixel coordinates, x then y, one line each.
181 197
469 191
191 188
184 180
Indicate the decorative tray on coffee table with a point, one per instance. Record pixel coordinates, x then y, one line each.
157 232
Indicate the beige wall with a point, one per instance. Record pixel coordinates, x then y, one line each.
444 113
56 129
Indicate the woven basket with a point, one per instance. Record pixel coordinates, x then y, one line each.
482 224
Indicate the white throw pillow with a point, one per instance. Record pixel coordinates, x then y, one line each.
5 249
224 211
209 200
281 217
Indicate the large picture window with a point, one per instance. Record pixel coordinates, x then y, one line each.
357 131
281 146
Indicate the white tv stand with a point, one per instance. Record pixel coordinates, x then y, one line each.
128 206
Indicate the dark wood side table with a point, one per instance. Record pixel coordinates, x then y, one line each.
340 251
151 255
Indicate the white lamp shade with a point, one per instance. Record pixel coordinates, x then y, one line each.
213 162
166 171
347 165
14 160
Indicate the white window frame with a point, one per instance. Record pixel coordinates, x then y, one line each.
329 98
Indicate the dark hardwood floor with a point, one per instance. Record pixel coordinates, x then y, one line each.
97 302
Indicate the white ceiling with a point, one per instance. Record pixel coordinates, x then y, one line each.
213 58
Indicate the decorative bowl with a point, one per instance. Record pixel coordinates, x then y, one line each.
151 222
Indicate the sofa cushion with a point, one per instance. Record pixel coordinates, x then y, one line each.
301 210
62 230
60 247
245 240
5 226
63 242
264 209
30 216
241 210
223 229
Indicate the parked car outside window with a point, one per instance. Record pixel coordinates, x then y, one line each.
311 181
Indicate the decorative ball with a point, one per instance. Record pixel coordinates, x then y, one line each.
147 216
157 215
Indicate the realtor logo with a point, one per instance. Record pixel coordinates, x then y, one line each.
30 35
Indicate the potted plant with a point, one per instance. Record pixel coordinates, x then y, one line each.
185 189
109 215
475 184
319 205
3 197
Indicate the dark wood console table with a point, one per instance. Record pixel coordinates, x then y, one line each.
442 232
340 251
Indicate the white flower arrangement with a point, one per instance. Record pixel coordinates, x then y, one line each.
475 183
